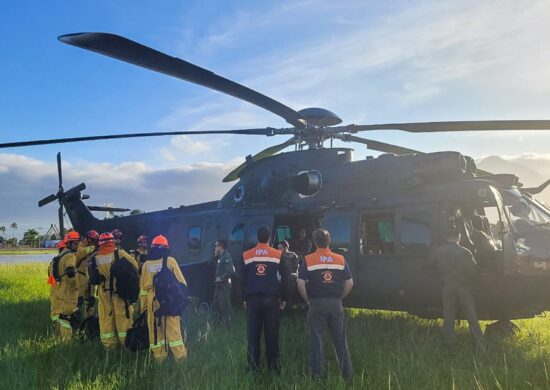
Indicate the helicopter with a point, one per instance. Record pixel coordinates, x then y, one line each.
385 214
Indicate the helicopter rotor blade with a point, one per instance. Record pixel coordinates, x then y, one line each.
46 200
377 145
137 54
60 216
269 131
105 208
234 174
433 127
59 173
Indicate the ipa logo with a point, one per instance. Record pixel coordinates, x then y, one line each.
327 277
260 269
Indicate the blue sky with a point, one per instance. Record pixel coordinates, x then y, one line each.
369 62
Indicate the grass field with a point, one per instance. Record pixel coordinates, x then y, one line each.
27 251
389 350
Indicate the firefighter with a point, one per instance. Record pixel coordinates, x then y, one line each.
264 299
115 315
141 253
117 235
85 249
63 290
164 331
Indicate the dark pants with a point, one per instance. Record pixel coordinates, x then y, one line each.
327 311
221 304
455 297
262 313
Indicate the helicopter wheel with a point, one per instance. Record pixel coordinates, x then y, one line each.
501 328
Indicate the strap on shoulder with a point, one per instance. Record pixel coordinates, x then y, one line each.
165 262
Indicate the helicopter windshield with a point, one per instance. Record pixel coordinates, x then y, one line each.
524 213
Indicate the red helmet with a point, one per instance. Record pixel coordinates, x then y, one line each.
160 241
142 240
72 236
117 234
105 238
92 235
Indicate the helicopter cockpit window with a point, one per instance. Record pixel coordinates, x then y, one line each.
194 239
415 235
377 234
524 214
340 233
237 234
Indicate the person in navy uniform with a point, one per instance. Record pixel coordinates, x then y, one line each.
324 279
264 285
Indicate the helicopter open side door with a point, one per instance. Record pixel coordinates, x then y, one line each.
377 266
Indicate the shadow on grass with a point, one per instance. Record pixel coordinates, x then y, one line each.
388 349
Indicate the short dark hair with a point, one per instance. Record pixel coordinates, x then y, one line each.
222 242
284 243
264 234
321 238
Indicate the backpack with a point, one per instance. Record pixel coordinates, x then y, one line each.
94 277
137 337
55 269
127 281
89 329
171 295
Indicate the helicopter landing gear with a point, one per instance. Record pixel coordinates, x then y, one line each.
501 328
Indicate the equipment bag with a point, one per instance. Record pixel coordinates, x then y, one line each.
89 329
126 280
171 295
94 277
137 337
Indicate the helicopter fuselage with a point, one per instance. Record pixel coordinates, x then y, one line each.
384 214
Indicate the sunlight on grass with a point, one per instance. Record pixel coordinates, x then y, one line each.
389 350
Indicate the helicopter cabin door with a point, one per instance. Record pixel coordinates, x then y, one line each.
417 232
377 265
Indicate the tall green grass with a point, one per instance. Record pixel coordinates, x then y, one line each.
389 350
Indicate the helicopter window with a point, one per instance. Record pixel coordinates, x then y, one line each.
340 233
194 239
283 233
415 235
237 234
377 234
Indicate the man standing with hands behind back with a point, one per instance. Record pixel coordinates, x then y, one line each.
265 297
324 279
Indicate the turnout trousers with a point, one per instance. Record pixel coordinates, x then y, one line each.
168 337
262 314
221 304
327 312
113 322
459 297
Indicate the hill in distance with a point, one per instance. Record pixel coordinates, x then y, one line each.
531 170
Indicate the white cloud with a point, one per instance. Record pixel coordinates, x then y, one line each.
385 63
130 184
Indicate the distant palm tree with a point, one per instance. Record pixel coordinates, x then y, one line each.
13 226
3 230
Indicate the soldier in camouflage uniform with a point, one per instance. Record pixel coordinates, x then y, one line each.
221 304
458 271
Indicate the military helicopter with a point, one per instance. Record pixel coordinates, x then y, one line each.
384 214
